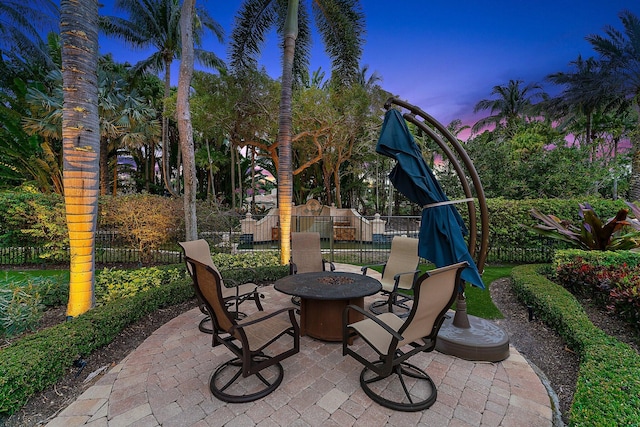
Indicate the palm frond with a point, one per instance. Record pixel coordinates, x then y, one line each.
342 26
253 21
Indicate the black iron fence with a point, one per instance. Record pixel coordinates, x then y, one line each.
349 239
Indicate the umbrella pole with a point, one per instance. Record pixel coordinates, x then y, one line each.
460 319
471 337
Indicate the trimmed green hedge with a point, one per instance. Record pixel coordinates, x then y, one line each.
506 217
41 359
28 220
608 388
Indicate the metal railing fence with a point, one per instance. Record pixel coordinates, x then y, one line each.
352 243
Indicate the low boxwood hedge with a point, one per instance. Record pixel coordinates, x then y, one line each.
608 388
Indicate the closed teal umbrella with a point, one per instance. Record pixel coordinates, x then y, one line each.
442 229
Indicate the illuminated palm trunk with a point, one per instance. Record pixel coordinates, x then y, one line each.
81 144
285 176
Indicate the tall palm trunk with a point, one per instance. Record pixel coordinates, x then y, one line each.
184 120
634 181
285 175
104 167
232 154
81 144
166 149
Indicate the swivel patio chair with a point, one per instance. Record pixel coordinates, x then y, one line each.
306 256
233 295
398 273
259 341
389 341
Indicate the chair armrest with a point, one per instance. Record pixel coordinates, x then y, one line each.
260 319
366 267
331 265
396 278
370 316
237 282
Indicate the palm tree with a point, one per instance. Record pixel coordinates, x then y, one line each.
341 26
620 52
514 104
81 145
582 95
125 118
157 23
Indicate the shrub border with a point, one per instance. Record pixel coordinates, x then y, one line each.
608 387
39 360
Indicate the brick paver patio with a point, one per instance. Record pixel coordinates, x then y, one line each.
165 382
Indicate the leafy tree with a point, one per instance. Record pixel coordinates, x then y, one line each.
241 109
25 157
341 25
20 154
535 162
81 145
329 129
620 53
156 23
127 120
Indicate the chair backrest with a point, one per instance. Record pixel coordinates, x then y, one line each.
433 294
207 283
402 258
199 250
306 253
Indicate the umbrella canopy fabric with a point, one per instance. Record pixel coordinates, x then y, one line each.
442 229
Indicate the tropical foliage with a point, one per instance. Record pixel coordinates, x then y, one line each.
592 233
571 145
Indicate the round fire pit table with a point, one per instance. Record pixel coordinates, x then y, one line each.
323 297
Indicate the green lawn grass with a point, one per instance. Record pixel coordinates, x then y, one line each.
479 301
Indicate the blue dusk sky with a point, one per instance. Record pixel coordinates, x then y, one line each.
445 56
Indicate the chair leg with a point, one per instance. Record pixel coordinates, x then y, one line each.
228 384
256 298
203 325
422 395
391 305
